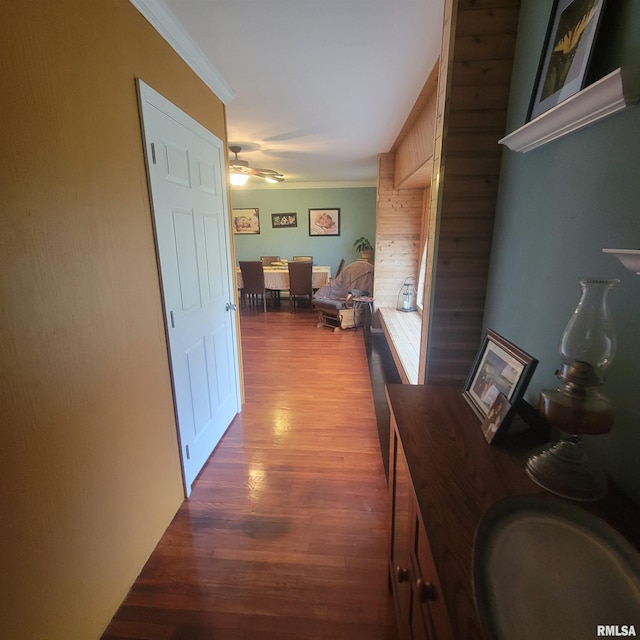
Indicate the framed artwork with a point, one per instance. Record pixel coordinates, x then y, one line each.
324 222
283 220
499 367
566 54
498 419
245 221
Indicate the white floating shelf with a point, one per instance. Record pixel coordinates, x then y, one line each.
630 258
608 95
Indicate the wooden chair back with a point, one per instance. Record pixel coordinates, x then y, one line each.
253 279
300 281
303 258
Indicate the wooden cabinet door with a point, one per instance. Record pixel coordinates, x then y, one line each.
421 624
400 552
428 592
420 609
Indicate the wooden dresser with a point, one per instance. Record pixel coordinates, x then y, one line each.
443 478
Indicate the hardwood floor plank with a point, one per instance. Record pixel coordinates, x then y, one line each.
285 534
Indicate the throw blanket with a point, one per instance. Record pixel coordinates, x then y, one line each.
357 275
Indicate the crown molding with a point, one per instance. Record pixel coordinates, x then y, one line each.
165 23
355 184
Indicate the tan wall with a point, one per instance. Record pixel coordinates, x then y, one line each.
90 473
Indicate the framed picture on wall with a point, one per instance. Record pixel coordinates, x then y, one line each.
499 367
245 221
324 222
284 220
566 53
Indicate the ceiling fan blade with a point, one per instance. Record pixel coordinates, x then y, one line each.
269 174
242 166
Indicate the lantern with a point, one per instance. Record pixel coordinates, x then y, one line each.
407 296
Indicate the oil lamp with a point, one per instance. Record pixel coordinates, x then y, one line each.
576 408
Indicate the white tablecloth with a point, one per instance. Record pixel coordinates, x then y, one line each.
278 277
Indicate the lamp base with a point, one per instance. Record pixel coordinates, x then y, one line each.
564 469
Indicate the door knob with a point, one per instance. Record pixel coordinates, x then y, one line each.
402 575
230 306
426 590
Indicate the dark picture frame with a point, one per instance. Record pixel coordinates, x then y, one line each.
245 221
284 220
499 367
324 222
566 54
498 419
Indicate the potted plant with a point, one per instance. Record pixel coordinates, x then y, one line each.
363 247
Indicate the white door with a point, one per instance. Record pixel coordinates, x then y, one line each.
185 164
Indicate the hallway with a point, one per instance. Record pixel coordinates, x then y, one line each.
285 535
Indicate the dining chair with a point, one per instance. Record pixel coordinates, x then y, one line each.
267 260
253 281
303 258
300 281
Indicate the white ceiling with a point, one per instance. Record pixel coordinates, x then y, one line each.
320 87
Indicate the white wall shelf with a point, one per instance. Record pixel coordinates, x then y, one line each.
630 258
603 98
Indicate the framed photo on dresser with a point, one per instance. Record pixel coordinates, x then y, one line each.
499 367
498 419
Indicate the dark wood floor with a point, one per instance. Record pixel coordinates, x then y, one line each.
285 534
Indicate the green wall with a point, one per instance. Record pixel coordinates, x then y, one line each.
357 218
558 206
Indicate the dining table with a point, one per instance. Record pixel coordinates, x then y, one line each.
277 278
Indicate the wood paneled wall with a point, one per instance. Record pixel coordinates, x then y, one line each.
414 146
473 90
398 224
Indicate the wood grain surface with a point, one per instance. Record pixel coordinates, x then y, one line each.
457 477
285 535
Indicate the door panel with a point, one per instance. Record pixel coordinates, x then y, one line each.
186 257
185 164
214 266
199 385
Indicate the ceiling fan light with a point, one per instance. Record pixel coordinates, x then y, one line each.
239 170
238 179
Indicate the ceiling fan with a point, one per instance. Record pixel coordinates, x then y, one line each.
240 171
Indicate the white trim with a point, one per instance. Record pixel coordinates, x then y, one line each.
599 100
356 184
165 23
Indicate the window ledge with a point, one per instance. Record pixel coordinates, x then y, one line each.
402 331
